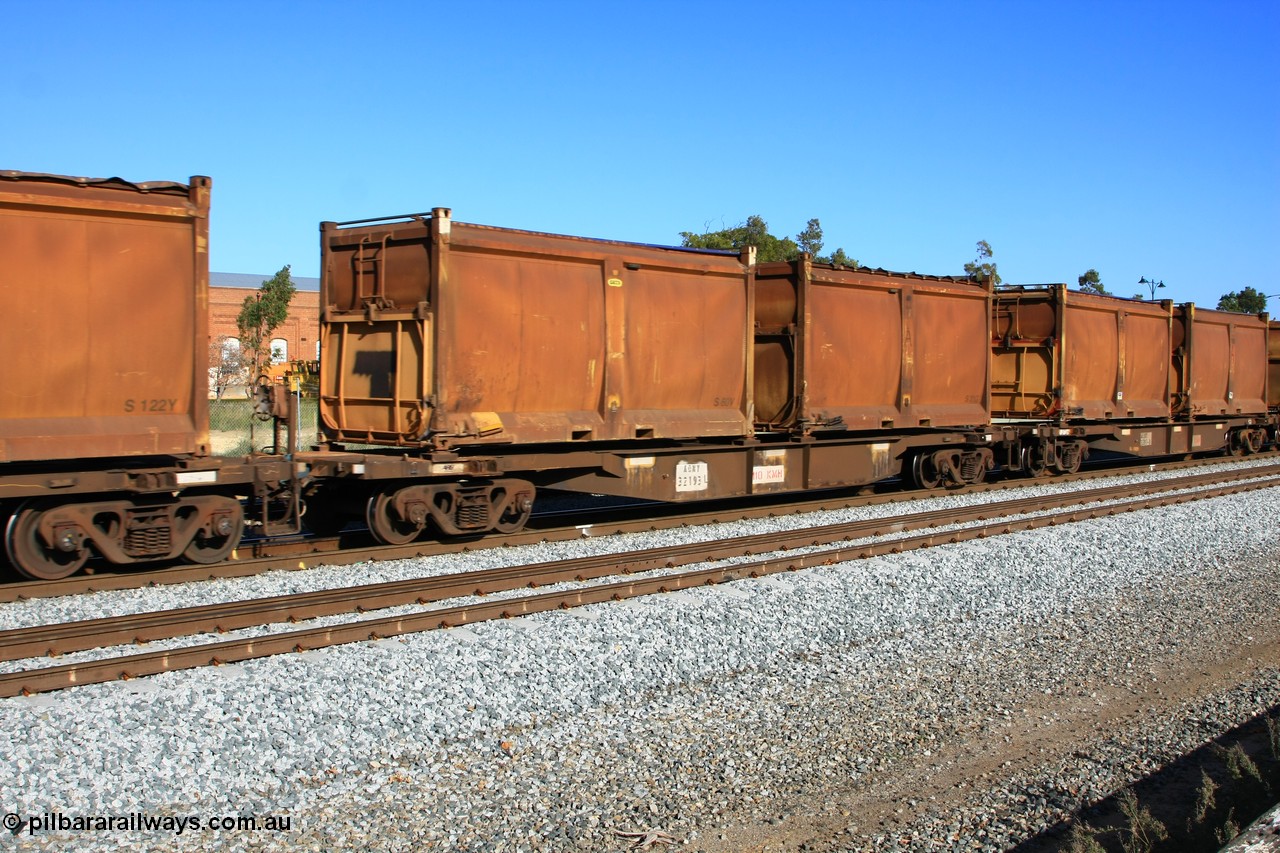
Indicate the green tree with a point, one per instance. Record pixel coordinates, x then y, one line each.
755 232
1247 301
810 239
1091 282
840 259
262 313
981 268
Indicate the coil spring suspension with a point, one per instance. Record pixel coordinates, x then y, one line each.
148 534
472 512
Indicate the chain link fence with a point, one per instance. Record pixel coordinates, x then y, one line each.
233 430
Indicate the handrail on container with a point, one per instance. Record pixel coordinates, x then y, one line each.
1017 288
407 217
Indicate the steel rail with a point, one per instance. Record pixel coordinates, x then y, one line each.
62 638
299 554
149 663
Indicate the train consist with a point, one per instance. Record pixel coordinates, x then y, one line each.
465 367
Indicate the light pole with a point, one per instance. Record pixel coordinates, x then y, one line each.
1150 285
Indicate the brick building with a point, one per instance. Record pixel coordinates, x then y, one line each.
298 338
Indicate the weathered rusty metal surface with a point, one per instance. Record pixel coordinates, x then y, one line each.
709 472
844 349
105 288
1151 439
144 479
1066 355
441 333
1273 365
1222 364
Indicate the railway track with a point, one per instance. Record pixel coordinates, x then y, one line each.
831 544
260 556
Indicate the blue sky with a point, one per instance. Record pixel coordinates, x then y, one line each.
1141 139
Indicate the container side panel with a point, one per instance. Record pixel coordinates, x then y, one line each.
1091 352
684 370
43 288
1210 367
141 316
523 339
1249 377
107 312
853 358
950 382
1273 360
1146 367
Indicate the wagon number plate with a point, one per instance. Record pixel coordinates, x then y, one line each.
691 477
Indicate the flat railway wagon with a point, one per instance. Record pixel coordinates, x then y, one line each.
103 409
497 361
1074 371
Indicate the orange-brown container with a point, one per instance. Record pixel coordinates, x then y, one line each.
440 333
104 285
1220 362
1067 355
1273 365
846 349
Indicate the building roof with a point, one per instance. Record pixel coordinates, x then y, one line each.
249 281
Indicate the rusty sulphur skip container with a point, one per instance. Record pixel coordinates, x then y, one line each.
1221 362
105 289
865 349
1067 355
439 334
1062 354
1273 365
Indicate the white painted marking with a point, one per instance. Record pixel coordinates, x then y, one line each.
692 477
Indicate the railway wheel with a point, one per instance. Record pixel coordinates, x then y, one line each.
515 515
32 557
387 527
1033 460
924 473
214 542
